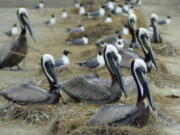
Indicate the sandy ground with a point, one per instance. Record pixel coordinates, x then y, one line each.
52 40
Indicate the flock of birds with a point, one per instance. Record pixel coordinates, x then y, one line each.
115 52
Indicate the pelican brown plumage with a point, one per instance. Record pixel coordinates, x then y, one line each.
28 93
128 114
12 54
95 89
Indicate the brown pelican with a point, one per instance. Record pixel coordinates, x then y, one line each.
132 19
144 41
30 94
94 89
155 36
12 54
127 114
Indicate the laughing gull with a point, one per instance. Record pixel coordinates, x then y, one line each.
63 62
64 15
13 32
82 10
125 30
77 4
80 28
96 14
51 21
81 41
165 21
95 63
125 8
117 10
108 19
110 5
40 5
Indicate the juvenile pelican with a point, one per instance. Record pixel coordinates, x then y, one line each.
12 54
94 89
27 93
95 63
13 32
127 114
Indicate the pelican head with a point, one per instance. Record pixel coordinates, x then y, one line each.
112 60
22 16
154 18
139 70
132 19
144 41
48 66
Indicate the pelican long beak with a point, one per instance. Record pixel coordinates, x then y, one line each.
150 53
148 92
144 82
25 22
133 24
115 69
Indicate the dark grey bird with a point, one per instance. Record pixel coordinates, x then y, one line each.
28 93
80 41
166 21
64 61
126 114
155 36
80 28
40 5
95 89
12 54
95 63
13 32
